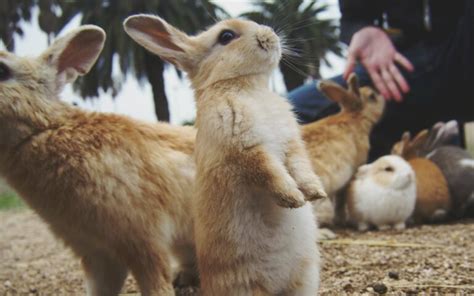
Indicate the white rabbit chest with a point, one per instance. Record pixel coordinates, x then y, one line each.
273 122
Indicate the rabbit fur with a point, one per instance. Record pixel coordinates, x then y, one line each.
433 200
457 166
382 194
339 144
255 234
114 189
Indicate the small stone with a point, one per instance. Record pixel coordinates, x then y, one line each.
393 275
7 284
380 288
33 290
347 286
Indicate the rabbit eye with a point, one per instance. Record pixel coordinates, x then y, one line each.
226 36
389 169
4 72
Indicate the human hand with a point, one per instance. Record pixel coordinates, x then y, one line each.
372 47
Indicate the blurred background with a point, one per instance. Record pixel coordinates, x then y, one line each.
129 80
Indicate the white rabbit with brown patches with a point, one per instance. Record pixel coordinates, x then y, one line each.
255 233
382 194
115 190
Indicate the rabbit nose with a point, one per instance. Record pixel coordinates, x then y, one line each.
266 38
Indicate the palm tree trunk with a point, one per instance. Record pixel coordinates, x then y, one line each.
154 68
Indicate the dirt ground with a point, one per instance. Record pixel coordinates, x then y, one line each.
431 259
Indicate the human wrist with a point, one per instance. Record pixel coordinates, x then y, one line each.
369 31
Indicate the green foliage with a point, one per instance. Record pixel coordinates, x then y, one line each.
9 200
307 37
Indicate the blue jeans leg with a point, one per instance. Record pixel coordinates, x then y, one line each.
310 104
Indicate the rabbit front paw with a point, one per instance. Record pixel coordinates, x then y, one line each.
313 189
291 198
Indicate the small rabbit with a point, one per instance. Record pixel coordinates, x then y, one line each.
115 190
339 144
255 235
433 201
382 193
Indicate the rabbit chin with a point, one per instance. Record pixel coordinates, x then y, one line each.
402 182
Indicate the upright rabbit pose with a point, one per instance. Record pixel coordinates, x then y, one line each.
114 189
252 168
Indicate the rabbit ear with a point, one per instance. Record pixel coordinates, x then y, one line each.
406 137
400 147
353 83
449 131
434 136
419 140
75 53
162 39
363 170
439 135
346 99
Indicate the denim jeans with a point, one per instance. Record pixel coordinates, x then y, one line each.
433 97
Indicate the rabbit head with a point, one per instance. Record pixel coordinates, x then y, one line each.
388 171
29 85
408 148
359 100
229 49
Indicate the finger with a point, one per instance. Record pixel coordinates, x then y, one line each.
351 61
399 58
402 83
379 84
391 85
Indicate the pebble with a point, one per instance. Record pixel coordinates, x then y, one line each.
393 275
380 288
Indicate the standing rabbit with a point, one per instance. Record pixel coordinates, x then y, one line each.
339 144
382 193
255 233
433 201
115 190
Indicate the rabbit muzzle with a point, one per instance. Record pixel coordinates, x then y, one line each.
267 40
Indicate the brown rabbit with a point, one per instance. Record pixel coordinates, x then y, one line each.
433 200
115 190
339 144
251 164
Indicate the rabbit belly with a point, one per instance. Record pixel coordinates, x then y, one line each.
276 242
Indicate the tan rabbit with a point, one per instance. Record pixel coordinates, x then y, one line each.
339 144
115 190
252 168
433 200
